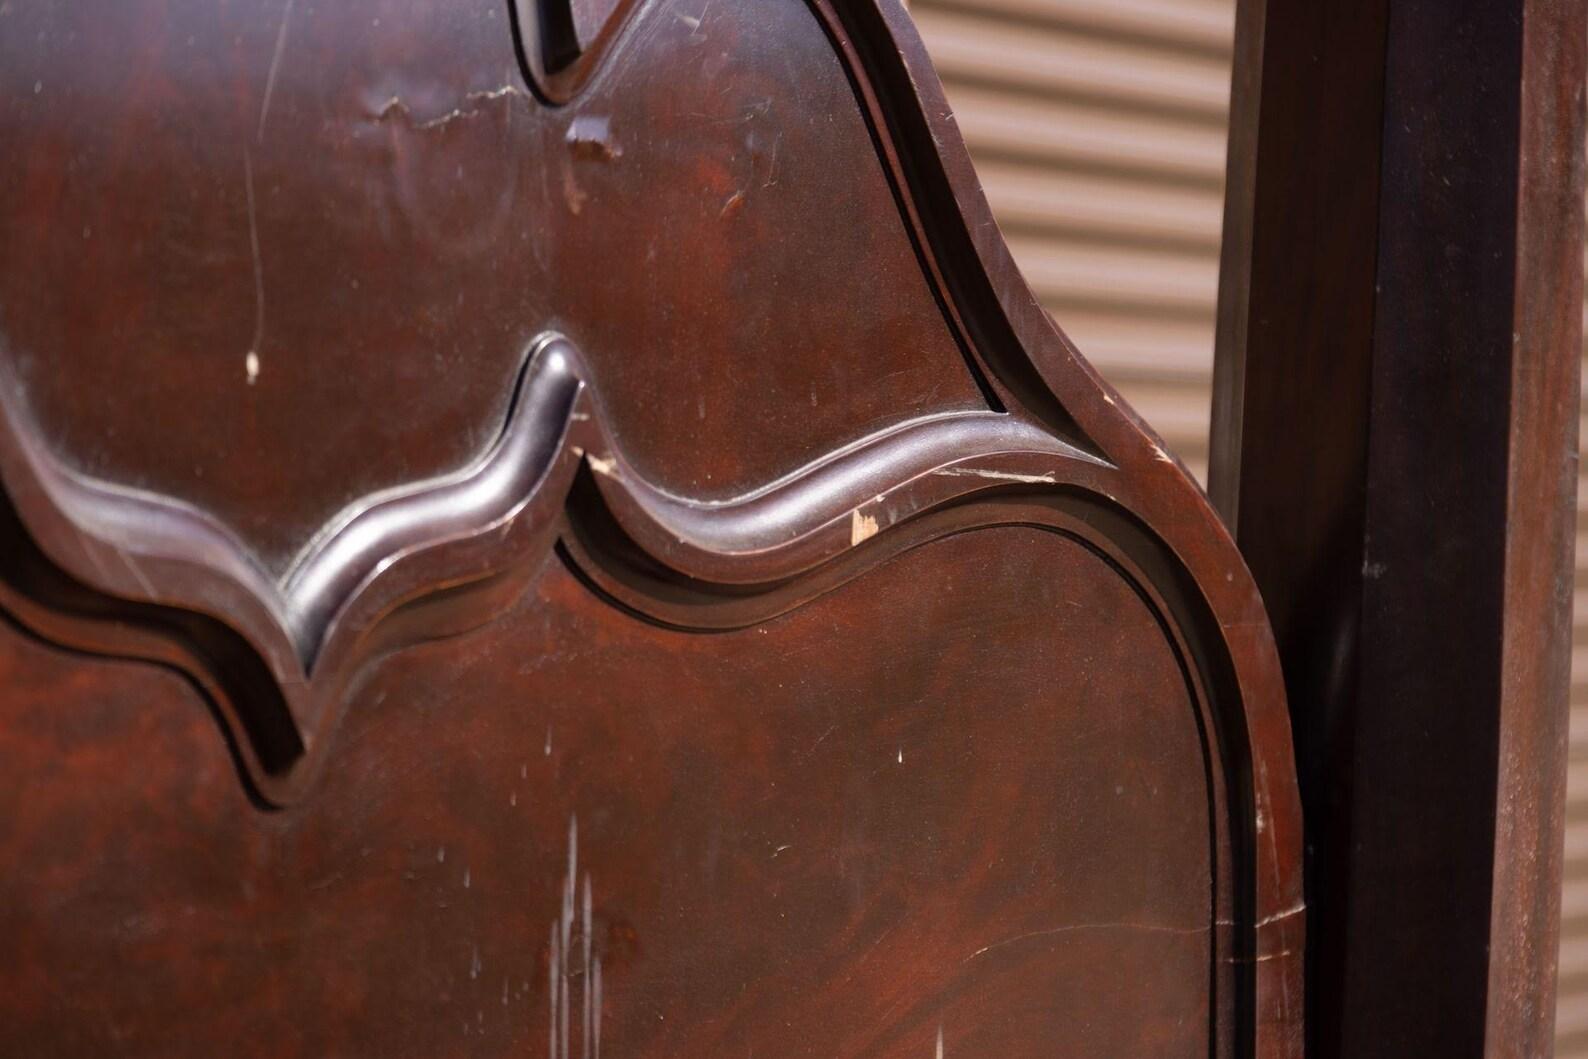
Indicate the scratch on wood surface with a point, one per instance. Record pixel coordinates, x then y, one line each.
470 108
275 65
997 476
589 136
1294 910
574 931
251 358
131 563
1073 927
861 527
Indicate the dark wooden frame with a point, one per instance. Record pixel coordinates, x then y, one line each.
1395 446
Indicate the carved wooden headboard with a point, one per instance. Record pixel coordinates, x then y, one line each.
563 531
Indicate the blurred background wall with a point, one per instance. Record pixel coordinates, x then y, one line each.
1098 128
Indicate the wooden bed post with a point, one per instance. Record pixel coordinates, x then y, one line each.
1395 448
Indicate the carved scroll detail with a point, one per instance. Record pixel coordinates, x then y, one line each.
447 553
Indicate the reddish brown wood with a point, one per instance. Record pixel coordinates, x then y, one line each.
1395 446
661 577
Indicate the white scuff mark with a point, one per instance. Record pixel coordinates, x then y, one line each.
1294 910
589 136
694 23
780 849
1161 456
861 527
901 755
939 1052
470 109
275 65
251 358
562 974
997 476
525 773
603 465
468 877
441 854
512 799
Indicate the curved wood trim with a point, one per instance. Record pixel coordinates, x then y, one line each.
151 560
127 573
555 64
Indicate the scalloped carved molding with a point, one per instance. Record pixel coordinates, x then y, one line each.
103 568
461 535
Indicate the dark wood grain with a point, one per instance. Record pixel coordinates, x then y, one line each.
1395 446
658 572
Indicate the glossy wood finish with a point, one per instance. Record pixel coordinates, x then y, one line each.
664 583
1395 446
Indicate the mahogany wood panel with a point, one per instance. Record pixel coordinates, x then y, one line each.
559 528
1395 446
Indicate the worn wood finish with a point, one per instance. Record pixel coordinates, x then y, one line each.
662 581
1395 446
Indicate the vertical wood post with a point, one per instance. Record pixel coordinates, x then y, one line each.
1394 446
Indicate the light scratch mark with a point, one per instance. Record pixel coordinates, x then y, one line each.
275 64
1073 927
861 527
133 568
1294 910
251 359
998 476
771 178
573 936
584 930
607 466
471 108
939 1041
824 735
